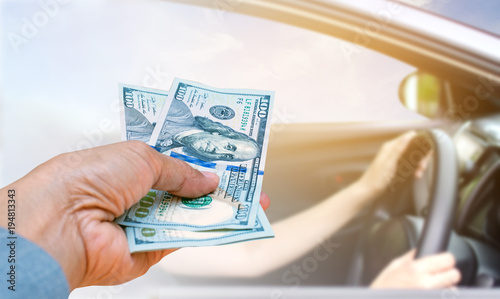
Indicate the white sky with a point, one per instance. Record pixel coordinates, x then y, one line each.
62 82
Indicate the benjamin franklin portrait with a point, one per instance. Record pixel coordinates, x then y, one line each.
199 136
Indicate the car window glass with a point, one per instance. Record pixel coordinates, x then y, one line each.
480 14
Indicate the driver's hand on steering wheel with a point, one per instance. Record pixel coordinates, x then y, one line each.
381 174
436 271
430 272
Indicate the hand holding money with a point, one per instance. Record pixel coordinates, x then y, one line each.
67 206
223 131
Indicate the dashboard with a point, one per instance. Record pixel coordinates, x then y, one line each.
478 150
475 237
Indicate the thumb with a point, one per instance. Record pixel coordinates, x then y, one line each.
178 178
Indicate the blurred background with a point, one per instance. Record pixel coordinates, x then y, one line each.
61 62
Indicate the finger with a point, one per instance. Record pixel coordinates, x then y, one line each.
409 256
178 178
403 141
404 259
408 136
444 279
142 261
395 148
264 201
436 263
422 165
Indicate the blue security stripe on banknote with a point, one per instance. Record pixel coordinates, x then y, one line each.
201 162
193 160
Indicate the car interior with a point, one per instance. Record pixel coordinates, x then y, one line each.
453 207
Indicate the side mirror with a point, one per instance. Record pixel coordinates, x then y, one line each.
423 93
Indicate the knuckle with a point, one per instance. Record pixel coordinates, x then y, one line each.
138 146
456 276
449 259
183 173
424 282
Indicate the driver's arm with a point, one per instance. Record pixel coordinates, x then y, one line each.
302 232
297 234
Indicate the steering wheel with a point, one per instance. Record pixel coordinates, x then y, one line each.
438 224
383 240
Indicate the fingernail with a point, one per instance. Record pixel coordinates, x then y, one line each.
212 176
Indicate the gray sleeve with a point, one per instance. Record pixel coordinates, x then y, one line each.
27 271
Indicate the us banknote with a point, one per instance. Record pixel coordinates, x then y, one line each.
224 131
140 108
148 239
160 209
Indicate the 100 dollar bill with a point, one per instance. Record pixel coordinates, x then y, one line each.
160 209
147 239
219 130
140 109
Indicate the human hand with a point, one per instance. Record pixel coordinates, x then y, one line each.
383 170
430 272
264 201
422 166
67 206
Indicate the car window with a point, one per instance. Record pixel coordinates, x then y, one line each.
479 14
